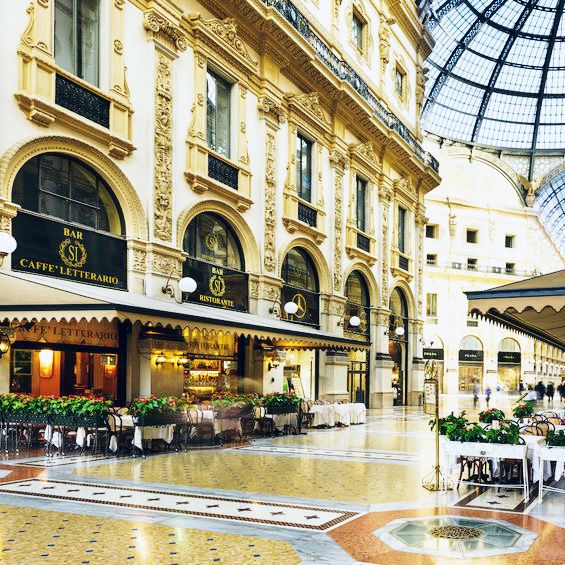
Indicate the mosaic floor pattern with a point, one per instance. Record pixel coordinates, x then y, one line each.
29 536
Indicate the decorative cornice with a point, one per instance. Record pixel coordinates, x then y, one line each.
162 27
310 105
226 32
267 106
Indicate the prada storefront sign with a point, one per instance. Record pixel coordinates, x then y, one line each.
53 248
470 355
308 305
217 285
509 357
100 334
431 353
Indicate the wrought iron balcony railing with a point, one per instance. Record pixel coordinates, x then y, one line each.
222 172
307 215
363 243
463 266
343 70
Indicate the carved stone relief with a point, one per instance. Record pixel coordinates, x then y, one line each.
163 183
158 25
270 204
338 238
385 33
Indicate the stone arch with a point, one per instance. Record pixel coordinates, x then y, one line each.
476 337
131 206
323 271
408 294
236 221
370 279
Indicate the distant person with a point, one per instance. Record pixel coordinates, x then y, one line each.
540 389
561 391
521 387
488 393
476 391
550 392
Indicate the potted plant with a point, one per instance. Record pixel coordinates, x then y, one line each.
555 439
281 402
451 421
492 416
523 411
155 411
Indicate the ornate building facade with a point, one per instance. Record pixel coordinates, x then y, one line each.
267 150
483 232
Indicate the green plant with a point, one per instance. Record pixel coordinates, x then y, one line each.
224 400
280 399
152 405
508 433
555 439
449 422
488 416
524 410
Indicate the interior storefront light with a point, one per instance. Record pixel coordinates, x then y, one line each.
4 344
183 360
46 363
160 359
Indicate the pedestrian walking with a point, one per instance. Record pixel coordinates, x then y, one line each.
550 392
488 392
476 391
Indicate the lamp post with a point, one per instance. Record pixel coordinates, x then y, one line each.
7 245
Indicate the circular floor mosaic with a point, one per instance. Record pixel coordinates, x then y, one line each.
457 537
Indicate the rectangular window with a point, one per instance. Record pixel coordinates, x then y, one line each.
401 229
357 26
431 259
431 305
472 236
472 323
304 168
20 371
471 264
218 114
509 241
361 204
77 38
510 268
399 81
432 231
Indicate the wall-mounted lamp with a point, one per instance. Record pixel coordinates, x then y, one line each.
161 359
184 361
4 344
397 329
7 245
186 284
353 322
290 308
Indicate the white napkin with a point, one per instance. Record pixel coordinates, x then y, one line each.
81 435
113 444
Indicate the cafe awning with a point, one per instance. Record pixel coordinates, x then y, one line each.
34 298
533 306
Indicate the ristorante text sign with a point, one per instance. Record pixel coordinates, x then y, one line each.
56 249
217 285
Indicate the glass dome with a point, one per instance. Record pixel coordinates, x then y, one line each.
497 73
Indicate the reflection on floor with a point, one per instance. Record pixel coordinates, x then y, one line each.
335 496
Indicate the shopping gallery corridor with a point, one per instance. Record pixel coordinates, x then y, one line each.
349 494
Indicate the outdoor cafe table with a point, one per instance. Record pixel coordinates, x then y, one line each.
140 433
545 455
495 452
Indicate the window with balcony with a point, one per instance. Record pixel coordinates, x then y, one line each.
77 43
432 231
361 204
509 241
401 229
304 168
472 236
471 264
400 83
218 113
431 259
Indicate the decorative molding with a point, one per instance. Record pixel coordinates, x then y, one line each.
385 252
139 262
309 107
163 177
452 224
338 225
385 34
339 160
165 31
224 32
269 250
405 186
421 79
269 108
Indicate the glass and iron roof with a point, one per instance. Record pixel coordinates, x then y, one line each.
550 201
497 73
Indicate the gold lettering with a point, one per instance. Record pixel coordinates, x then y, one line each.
72 233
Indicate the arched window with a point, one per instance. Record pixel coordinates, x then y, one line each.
210 238
398 315
70 224
301 286
471 343
510 345
65 188
216 262
358 303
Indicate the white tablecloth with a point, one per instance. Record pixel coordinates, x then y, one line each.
560 413
332 414
545 455
358 412
282 420
324 415
141 433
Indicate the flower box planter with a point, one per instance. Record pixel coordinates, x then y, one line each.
64 420
25 418
233 412
552 453
488 450
97 421
289 409
160 419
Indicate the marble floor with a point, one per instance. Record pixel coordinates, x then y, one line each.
344 495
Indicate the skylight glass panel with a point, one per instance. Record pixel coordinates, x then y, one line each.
553 111
527 52
558 55
551 136
452 124
505 134
473 65
505 107
540 22
463 97
489 42
519 79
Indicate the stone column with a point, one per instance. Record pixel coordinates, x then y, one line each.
380 385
